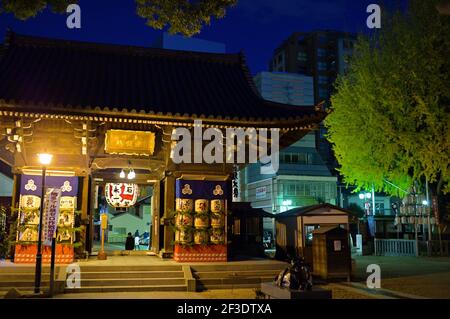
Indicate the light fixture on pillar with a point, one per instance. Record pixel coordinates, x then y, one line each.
44 159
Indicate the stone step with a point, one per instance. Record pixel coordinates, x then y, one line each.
132 282
87 289
6 285
238 274
131 274
205 285
234 281
124 268
20 276
238 267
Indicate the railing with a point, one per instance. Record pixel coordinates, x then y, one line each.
395 247
116 238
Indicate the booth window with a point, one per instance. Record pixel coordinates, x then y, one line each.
309 234
237 227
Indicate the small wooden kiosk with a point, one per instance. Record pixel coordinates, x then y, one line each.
331 253
295 228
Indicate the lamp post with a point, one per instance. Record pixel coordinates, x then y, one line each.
44 159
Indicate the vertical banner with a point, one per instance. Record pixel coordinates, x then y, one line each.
435 209
51 212
371 222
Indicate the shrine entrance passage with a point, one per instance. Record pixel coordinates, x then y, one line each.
128 206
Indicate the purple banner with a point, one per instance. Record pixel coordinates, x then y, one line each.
31 184
200 189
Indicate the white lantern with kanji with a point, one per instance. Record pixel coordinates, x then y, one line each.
121 195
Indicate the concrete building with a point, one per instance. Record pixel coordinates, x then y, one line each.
303 178
322 55
177 42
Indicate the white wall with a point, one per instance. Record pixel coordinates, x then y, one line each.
6 186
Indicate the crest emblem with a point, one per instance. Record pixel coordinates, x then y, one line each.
66 187
186 190
218 190
30 185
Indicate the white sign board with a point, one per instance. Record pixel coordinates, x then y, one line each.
261 192
359 245
51 212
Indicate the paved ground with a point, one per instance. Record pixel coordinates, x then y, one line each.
401 277
427 277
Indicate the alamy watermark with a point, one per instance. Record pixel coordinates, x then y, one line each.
222 148
374 279
73 279
374 19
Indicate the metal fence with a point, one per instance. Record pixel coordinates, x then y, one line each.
395 247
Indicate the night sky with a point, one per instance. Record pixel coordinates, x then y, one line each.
255 26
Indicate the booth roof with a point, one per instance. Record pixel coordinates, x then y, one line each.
309 210
72 75
245 209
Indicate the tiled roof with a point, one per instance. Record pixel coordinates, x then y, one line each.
60 74
311 209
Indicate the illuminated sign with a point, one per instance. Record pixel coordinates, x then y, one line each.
130 142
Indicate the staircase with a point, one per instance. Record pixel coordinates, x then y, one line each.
130 279
229 276
22 278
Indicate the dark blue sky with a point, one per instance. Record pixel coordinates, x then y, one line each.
255 26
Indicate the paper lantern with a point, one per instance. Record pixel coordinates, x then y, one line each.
121 195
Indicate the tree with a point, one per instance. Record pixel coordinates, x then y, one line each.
389 118
25 9
186 17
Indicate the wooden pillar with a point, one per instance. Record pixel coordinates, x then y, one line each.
84 214
155 217
169 206
15 192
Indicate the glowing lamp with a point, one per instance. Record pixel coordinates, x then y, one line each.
45 159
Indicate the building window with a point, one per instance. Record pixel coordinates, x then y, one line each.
321 52
291 190
323 93
302 57
309 234
321 66
323 79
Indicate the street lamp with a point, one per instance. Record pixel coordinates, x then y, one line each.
44 159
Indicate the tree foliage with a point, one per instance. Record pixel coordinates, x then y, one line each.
183 16
24 9
186 17
390 113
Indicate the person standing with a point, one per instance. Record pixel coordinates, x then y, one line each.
137 240
129 243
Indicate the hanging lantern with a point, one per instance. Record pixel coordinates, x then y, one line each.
121 195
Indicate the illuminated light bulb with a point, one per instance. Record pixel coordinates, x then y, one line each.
45 159
122 174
